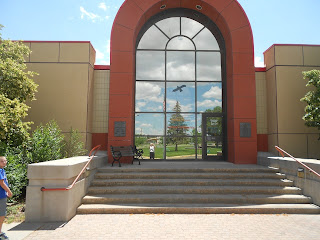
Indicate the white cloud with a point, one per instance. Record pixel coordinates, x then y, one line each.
91 16
99 55
103 6
149 92
258 62
214 92
210 103
146 125
107 17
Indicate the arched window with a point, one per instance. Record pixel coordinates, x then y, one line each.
179 77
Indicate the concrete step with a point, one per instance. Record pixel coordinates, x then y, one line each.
256 169
199 209
192 182
177 175
194 190
195 198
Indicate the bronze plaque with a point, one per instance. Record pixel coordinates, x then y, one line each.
120 129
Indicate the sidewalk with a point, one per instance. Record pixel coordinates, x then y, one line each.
173 226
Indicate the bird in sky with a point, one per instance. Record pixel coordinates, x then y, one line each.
179 88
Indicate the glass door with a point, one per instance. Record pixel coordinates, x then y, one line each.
212 136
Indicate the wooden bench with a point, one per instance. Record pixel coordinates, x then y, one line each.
125 151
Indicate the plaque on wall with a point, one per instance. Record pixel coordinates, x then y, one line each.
245 130
120 129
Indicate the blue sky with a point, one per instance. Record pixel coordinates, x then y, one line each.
272 21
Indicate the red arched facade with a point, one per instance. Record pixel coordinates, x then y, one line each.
234 25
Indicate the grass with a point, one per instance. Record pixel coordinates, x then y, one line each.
183 150
15 212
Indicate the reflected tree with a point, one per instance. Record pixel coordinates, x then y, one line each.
177 127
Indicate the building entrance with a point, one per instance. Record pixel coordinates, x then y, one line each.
179 87
213 147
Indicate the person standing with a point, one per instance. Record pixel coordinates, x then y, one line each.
4 193
152 148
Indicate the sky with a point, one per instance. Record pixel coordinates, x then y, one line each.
272 22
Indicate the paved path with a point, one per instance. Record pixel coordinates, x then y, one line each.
187 226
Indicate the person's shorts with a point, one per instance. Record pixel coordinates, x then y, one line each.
3 206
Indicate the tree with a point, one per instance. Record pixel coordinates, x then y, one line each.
177 127
16 87
312 98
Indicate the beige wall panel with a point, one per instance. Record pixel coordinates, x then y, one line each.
92 55
74 52
271 102
294 144
291 88
311 55
288 55
44 52
62 95
269 58
101 101
90 99
27 57
261 102
272 142
88 144
313 146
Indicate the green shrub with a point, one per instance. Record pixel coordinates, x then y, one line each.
16 170
47 143
72 144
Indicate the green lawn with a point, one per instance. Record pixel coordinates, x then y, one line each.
183 150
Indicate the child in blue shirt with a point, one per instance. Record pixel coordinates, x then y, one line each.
4 193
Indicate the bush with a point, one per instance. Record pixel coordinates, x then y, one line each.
16 170
47 143
72 145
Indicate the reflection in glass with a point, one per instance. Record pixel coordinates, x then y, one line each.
180 43
170 26
143 142
209 97
149 96
208 66
149 124
176 83
153 39
183 93
180 124
199 134
150 65
180 65
190 27
214 137
206 41
184 150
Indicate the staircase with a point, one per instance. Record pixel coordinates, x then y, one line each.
190 190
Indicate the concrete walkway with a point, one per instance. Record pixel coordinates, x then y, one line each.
173 226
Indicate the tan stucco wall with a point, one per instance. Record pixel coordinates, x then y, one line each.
65 91
261 99
285 88
101 101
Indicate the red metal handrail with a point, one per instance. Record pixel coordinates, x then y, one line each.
94 151
282 152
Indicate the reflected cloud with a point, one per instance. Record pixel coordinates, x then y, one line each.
180 66
190 27
214 92
209 104
206 41
153 39
150 65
